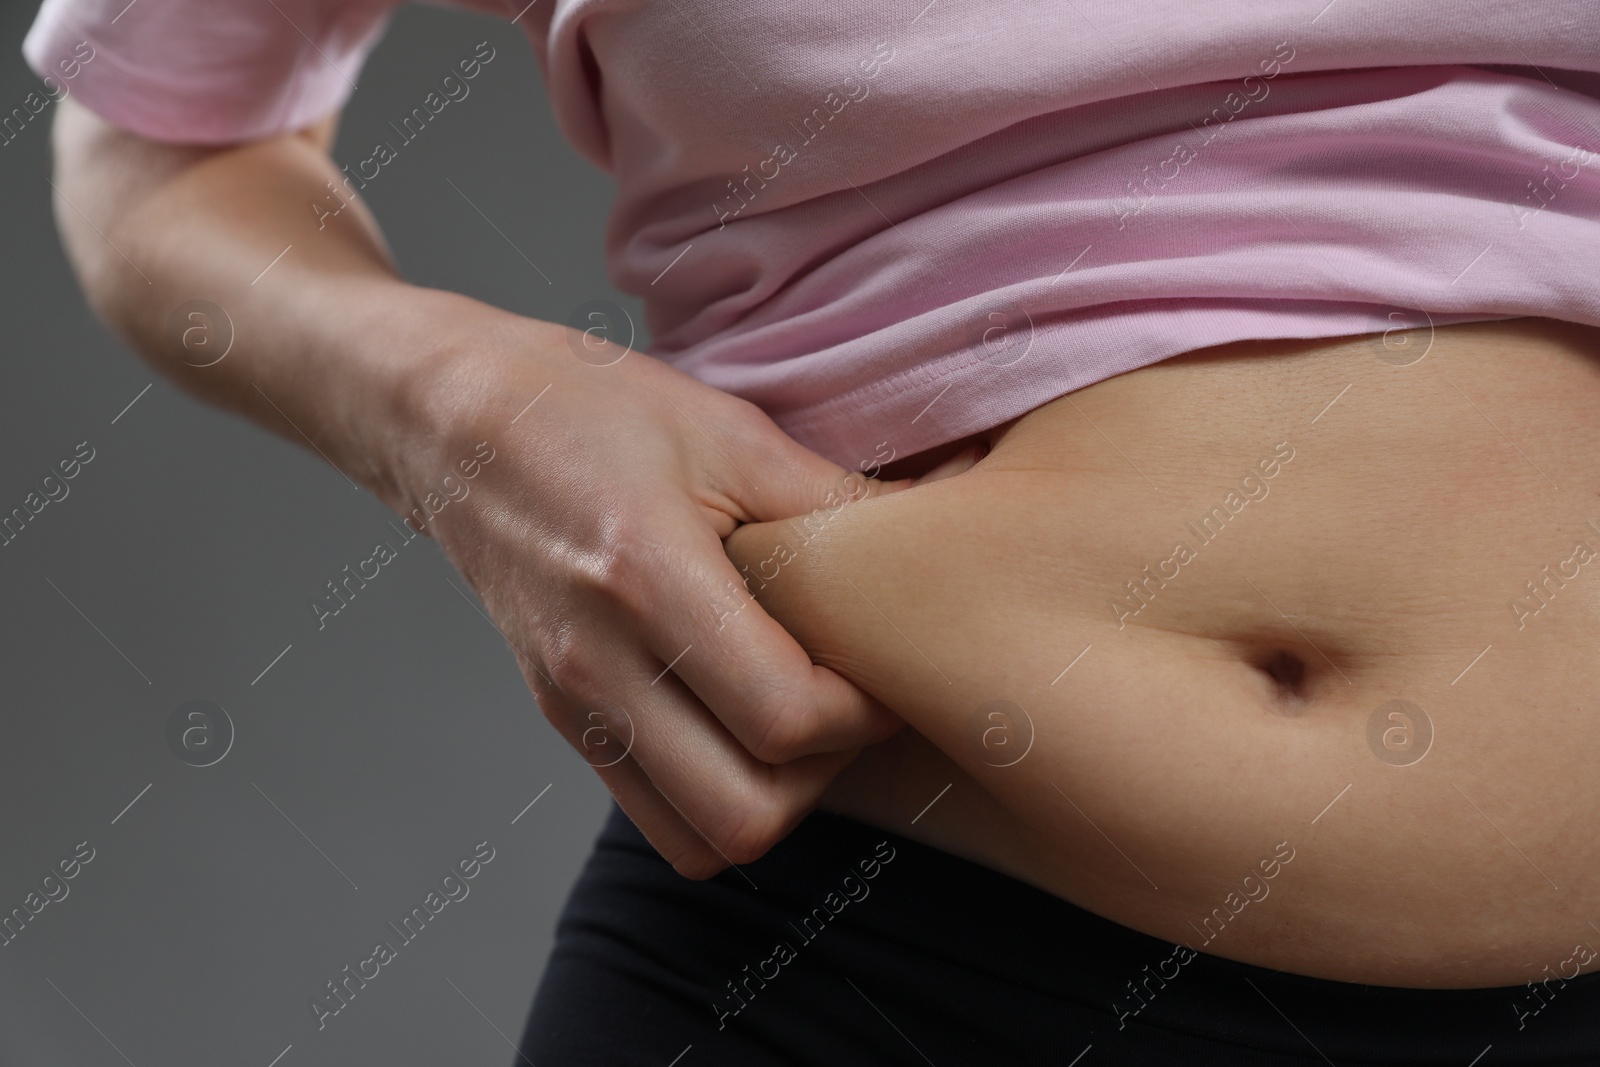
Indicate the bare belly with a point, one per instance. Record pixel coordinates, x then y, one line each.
1281 650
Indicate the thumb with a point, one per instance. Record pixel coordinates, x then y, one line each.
785 479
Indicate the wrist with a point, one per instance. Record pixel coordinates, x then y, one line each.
457 392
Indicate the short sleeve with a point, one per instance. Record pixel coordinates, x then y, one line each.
205 71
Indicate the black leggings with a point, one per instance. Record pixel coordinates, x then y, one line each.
849 945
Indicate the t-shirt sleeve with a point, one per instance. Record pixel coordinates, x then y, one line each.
205 71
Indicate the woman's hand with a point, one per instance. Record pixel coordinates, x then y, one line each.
593 537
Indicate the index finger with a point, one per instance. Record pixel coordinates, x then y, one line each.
748 670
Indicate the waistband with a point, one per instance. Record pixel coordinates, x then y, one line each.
967 965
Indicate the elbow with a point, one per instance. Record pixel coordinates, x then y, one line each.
80 192
101 175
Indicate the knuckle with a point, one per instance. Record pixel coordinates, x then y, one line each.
573 669
753 825
748 427
619 571
751 419
747 415
784 727
697 865
601 570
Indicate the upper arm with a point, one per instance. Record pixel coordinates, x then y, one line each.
115 166
146 92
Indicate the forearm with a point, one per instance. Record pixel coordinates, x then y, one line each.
595 540
329 345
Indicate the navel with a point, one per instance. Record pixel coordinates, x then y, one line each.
1288 677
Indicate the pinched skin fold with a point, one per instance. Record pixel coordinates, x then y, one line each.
1424 536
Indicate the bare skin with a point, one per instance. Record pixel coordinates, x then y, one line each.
593 537
1223 718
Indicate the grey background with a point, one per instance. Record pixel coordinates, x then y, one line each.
395 739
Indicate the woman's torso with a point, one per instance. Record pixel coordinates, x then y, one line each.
1211 750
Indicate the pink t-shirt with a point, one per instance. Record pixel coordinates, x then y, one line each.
894 224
